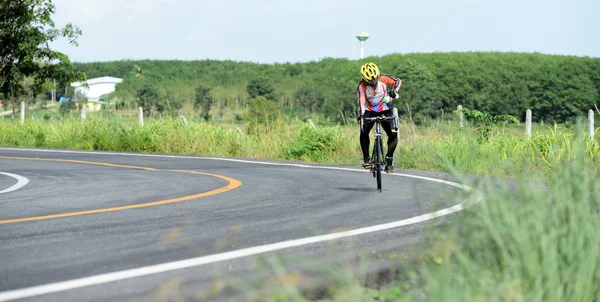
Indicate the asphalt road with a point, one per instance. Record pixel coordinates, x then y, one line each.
125 220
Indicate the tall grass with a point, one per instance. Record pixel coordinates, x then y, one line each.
526 242
434 147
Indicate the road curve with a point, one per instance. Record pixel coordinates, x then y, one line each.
98 226
21 182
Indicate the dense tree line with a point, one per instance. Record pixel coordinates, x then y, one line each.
556 88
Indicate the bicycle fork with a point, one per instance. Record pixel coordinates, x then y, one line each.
377 150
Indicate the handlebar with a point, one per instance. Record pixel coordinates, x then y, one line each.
379 118
376 119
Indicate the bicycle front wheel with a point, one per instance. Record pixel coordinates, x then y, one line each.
378 165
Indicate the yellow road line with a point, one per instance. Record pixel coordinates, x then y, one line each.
79 162
232 184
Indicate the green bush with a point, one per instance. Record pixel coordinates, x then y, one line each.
313 144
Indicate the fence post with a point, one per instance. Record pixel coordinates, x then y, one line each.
183 119
459 107
22 113
528 123
591 123
141 116
83 111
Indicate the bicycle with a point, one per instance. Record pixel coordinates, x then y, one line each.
377 157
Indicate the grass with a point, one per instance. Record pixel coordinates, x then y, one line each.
530 242
434 147
533 239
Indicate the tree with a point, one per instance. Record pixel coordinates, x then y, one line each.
262 113
26 31
138 71
309 98
203 100
261 87
293 70
420 90
169 102
174 102
342 105
147 97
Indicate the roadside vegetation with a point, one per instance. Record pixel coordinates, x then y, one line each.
439 145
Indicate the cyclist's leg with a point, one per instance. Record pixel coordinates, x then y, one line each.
365 140
392 143
392 134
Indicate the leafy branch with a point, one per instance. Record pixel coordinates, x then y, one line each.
484 122
27 31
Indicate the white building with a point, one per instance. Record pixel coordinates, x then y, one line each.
97 87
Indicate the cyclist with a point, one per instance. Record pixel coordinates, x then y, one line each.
374 99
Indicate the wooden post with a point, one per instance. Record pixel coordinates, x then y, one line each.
459 107
83 111
183 119
141 116
22 113
528 123
591 123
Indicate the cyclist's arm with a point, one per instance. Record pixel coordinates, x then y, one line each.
361 99
390 80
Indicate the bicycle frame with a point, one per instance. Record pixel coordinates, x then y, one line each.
377 159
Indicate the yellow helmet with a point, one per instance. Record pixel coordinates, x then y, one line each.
369 72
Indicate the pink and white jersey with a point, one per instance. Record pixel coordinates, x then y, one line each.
372 98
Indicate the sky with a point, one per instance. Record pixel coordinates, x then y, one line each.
277 31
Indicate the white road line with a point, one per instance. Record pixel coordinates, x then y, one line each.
198 261
21 182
